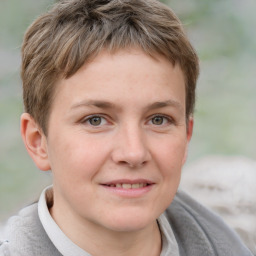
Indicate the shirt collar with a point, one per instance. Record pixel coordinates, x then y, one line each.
64 245
169 243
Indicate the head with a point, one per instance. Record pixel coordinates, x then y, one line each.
73 32
109 89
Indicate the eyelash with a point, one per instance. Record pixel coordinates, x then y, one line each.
169 120
90 118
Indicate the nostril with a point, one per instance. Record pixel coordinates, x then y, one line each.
131 156
135 165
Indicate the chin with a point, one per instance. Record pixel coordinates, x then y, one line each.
130 221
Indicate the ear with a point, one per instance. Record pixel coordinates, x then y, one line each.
190 125
35 141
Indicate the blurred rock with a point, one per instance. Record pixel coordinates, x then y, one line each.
227 185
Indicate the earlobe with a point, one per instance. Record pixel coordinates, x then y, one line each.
35 141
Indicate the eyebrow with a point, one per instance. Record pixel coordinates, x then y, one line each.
95 103
108 105
167 103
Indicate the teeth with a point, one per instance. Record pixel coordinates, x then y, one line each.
129 186
126 186
135 185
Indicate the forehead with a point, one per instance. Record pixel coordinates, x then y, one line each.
124 74
126 61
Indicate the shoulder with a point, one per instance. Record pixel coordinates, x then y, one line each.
17 231
4 248
199 231
24 235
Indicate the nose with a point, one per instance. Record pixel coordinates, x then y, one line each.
131 148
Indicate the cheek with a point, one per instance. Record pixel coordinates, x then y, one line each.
76 158
169 162
170 153
74 166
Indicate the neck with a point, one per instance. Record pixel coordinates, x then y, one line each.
105 242
97 240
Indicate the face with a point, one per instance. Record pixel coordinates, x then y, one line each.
117 140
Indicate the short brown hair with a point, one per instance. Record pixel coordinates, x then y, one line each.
60 41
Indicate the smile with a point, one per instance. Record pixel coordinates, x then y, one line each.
128 185
128 189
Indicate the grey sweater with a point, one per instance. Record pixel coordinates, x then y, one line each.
195 230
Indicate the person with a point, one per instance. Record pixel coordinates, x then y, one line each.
109 93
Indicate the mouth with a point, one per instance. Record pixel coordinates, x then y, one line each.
128 185
129 188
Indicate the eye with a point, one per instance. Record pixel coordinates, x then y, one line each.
157 120
95 120
160 120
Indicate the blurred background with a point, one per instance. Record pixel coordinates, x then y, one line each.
223 33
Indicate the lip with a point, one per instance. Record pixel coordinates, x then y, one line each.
128 181
128 192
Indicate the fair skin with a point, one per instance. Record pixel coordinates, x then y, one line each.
117 140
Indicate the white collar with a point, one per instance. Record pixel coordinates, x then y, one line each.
64 245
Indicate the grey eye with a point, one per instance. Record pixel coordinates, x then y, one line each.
157 120
95 121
